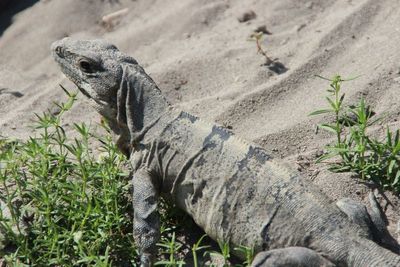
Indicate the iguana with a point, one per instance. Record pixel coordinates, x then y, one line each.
231 188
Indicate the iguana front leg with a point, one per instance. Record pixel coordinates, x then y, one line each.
146 225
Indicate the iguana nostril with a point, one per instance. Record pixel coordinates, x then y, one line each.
59 51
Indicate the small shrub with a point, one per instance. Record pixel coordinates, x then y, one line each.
61 206
372 159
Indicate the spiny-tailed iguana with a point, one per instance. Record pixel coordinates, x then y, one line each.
232 189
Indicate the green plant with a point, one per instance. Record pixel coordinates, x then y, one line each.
224 252
248 254
257 37
61 206
196 247
171 247
372 159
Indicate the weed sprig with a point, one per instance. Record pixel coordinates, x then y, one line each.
372 159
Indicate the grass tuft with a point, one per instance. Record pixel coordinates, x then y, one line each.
372 159
59 204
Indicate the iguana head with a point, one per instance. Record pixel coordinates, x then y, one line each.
117 87
95 66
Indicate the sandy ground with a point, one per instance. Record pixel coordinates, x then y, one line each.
199 54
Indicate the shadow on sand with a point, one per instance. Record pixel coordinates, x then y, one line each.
8 8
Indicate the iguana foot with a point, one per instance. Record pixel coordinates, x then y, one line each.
358 214
372 225
290 257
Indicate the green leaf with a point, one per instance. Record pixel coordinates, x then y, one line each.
321 111
325 157
396 144
77 236
351 78
391 165
321 77
388 137
396 179
327 127
340 168
338 149
341 99
333 104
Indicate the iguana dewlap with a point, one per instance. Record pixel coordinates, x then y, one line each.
232 189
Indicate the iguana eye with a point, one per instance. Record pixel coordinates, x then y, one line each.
85 66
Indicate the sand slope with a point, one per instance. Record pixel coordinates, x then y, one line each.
198 52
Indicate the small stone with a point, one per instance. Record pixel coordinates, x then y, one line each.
319 153
277 67
300 27
284 41
249 15
299 168
263 29
55 110
310 5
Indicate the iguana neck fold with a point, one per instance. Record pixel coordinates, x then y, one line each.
140 103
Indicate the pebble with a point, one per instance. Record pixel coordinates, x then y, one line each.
263 29
284 41
300 27
249 15
310 5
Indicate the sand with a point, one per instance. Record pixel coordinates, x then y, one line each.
199 54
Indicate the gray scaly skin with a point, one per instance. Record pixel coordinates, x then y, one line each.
232 189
